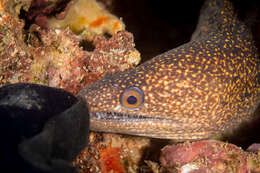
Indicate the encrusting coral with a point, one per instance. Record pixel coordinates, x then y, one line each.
88 16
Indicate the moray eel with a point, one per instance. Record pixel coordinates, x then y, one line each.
195 91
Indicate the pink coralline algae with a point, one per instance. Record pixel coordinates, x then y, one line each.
208 156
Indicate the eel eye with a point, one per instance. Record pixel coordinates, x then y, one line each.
132 98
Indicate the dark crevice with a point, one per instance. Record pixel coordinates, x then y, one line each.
27 23
87 45
155 155
107 35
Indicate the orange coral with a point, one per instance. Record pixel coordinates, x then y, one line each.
99 21
110 160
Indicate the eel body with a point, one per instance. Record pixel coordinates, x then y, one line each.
194 91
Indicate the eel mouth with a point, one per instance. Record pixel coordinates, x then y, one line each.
142 125
119 117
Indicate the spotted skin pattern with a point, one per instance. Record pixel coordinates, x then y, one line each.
194 91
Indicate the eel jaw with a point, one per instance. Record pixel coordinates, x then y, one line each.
140 125
120 117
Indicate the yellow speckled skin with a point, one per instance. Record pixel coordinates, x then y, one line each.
194 91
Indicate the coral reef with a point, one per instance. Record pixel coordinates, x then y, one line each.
62 63
14 52
111 153
208 156
56 57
